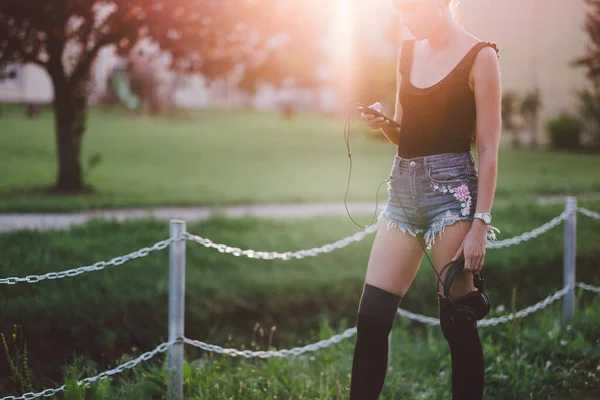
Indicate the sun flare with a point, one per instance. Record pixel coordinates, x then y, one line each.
343 43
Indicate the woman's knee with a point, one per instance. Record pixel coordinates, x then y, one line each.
379 303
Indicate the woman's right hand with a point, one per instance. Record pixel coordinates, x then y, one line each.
375 122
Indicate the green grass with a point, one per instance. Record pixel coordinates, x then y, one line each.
226 157
526 359
103 314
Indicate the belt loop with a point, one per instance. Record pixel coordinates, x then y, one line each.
426 163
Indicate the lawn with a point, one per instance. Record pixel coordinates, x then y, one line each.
214 157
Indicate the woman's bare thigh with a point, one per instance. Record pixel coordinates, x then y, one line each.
443 251
394 260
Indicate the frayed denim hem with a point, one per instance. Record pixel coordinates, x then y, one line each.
440 224
401 226
450 218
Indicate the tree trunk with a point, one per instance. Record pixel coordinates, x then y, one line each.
70 105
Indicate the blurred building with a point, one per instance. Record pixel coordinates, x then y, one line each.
27 83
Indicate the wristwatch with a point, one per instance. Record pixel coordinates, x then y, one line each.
486 217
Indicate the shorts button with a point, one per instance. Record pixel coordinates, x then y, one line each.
412 163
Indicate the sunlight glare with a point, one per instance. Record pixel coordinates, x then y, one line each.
343 46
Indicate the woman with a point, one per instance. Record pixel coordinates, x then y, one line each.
448 94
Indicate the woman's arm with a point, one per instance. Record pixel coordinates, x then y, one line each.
487 86
393 134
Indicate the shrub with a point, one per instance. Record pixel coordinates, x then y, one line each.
565 131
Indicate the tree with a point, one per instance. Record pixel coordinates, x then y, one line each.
591 60
590 98
276 68
509 109
207 36
530 110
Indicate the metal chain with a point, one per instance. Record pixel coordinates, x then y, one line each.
531 309
588 287
589 213
223 248
95 267
531 234
418 317
87 381
273 353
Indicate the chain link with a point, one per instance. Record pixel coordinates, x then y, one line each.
589 213
94 267
273 353
529 235
87 381
223 248
588 287
418 317
531 309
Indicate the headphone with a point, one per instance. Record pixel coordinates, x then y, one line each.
463 312
466 310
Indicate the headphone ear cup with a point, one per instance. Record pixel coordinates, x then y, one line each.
475 304
465 314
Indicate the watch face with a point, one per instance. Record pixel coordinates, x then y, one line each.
487 218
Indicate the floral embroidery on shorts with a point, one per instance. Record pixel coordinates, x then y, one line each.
461 193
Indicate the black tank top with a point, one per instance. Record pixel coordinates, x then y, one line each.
440 118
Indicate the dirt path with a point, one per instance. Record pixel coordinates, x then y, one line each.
46 221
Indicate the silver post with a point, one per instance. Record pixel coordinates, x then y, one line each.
176 311
568 311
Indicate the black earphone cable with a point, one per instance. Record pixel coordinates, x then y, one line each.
347 137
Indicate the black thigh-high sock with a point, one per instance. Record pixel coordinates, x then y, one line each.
466 354
376 313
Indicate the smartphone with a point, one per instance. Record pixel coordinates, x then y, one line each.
366 110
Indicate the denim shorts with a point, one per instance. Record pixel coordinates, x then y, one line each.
427 194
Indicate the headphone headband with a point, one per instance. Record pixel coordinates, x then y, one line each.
454 267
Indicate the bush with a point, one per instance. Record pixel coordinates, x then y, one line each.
589 109
565 131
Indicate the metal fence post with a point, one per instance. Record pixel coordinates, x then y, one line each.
568 311
176 311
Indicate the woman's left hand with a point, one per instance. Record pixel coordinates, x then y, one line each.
473 247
